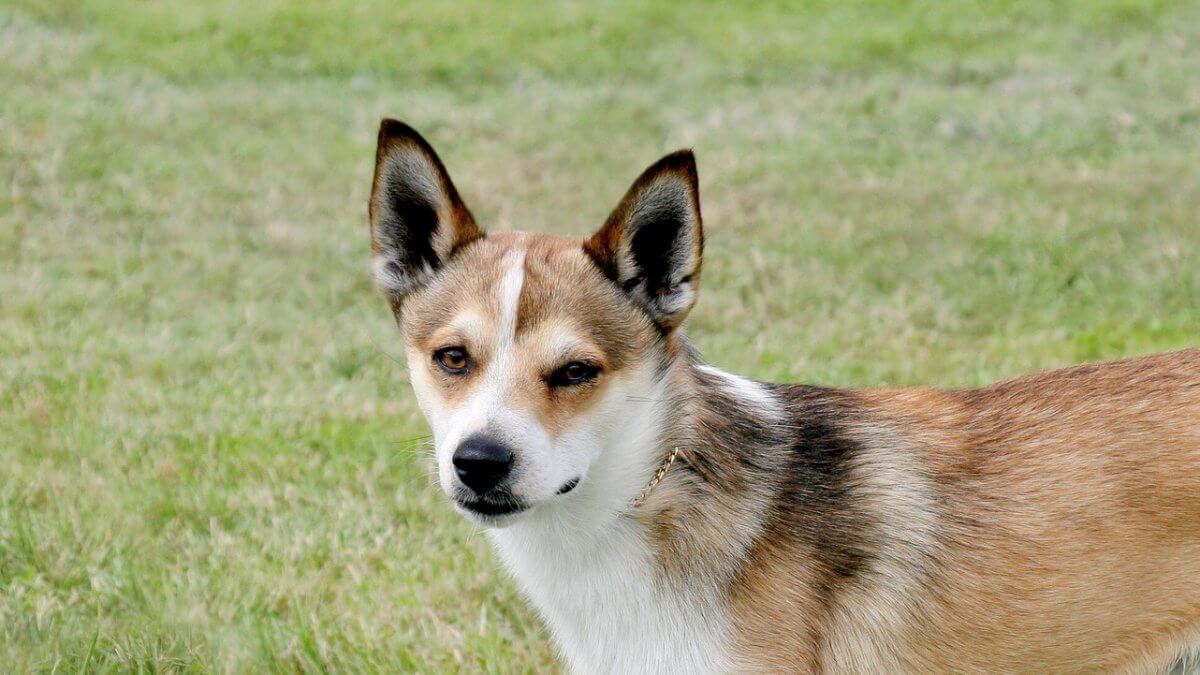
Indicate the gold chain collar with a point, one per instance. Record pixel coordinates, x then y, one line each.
658 476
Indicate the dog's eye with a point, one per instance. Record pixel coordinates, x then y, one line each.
574 373
453 360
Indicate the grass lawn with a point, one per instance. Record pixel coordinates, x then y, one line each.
211 459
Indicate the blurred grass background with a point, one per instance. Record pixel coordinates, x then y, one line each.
211 459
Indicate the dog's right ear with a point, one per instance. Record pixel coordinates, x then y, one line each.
651 245
417 218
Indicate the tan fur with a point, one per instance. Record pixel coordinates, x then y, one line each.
564 298
1067 508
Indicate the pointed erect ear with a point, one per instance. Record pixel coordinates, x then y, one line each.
417 218
651 244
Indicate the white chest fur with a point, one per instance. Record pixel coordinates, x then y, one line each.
606 607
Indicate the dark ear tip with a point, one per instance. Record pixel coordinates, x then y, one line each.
684 155
678 162
390 128
393 132
682 158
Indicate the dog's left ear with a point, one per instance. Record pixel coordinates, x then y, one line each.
418 221
652 243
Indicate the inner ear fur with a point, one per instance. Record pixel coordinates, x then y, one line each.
652 244
418 220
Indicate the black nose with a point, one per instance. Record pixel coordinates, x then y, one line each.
482 462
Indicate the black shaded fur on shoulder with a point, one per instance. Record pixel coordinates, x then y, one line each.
749 475
817 500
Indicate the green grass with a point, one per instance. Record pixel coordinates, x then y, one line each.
211 459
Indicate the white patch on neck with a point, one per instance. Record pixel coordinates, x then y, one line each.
590 568
609 611
754 394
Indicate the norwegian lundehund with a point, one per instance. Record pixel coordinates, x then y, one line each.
666 516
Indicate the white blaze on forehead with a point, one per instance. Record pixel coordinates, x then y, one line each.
510 295
487 406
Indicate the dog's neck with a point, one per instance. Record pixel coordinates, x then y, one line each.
613 579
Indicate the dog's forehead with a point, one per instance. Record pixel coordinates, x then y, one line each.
560 289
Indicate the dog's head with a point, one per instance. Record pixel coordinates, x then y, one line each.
540 361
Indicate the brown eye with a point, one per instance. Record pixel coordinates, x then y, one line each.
453 360
574 373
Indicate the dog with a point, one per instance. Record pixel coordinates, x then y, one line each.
666 516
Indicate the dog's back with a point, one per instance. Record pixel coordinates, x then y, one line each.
1048 520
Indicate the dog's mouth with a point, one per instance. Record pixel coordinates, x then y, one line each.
499 506
493 506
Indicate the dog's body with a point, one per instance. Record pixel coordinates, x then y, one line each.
1046 524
